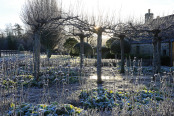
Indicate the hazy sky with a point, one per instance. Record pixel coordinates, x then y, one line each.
10 9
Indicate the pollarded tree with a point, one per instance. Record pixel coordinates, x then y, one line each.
81 30
157 29
121 30
70 43
97 25
41 15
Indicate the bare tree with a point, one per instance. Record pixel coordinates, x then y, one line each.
81 30
157 29
98 25
99 31
41 14
98 28
50 39
121 30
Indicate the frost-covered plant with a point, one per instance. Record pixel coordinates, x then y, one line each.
54 109
104 99
98 98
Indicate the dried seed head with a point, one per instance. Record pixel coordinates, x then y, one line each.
3 86
155 75
8 79
11 87
59 72
56 79
62 74
60 66
66 90
56 73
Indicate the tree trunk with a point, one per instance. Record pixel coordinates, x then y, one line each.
170 53
99 56
115 56
81 52
155 56
159 55
87 40
48 55
122 52
36 54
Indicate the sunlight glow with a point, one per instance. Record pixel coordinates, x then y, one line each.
94 77
96 27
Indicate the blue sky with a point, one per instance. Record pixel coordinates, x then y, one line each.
10 9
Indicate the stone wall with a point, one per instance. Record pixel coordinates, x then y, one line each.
147 49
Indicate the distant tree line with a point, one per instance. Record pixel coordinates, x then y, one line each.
13 37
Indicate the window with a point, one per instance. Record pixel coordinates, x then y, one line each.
164 53
137 49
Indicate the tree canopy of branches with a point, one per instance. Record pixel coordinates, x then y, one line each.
81 30
40 15
157 29
121 30
97 25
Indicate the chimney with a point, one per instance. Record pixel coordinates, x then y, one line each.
148 16
149 11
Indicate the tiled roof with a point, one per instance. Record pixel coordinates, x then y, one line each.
166 36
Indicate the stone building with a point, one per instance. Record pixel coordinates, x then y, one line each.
144 46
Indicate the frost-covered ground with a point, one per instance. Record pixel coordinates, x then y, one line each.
133 93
